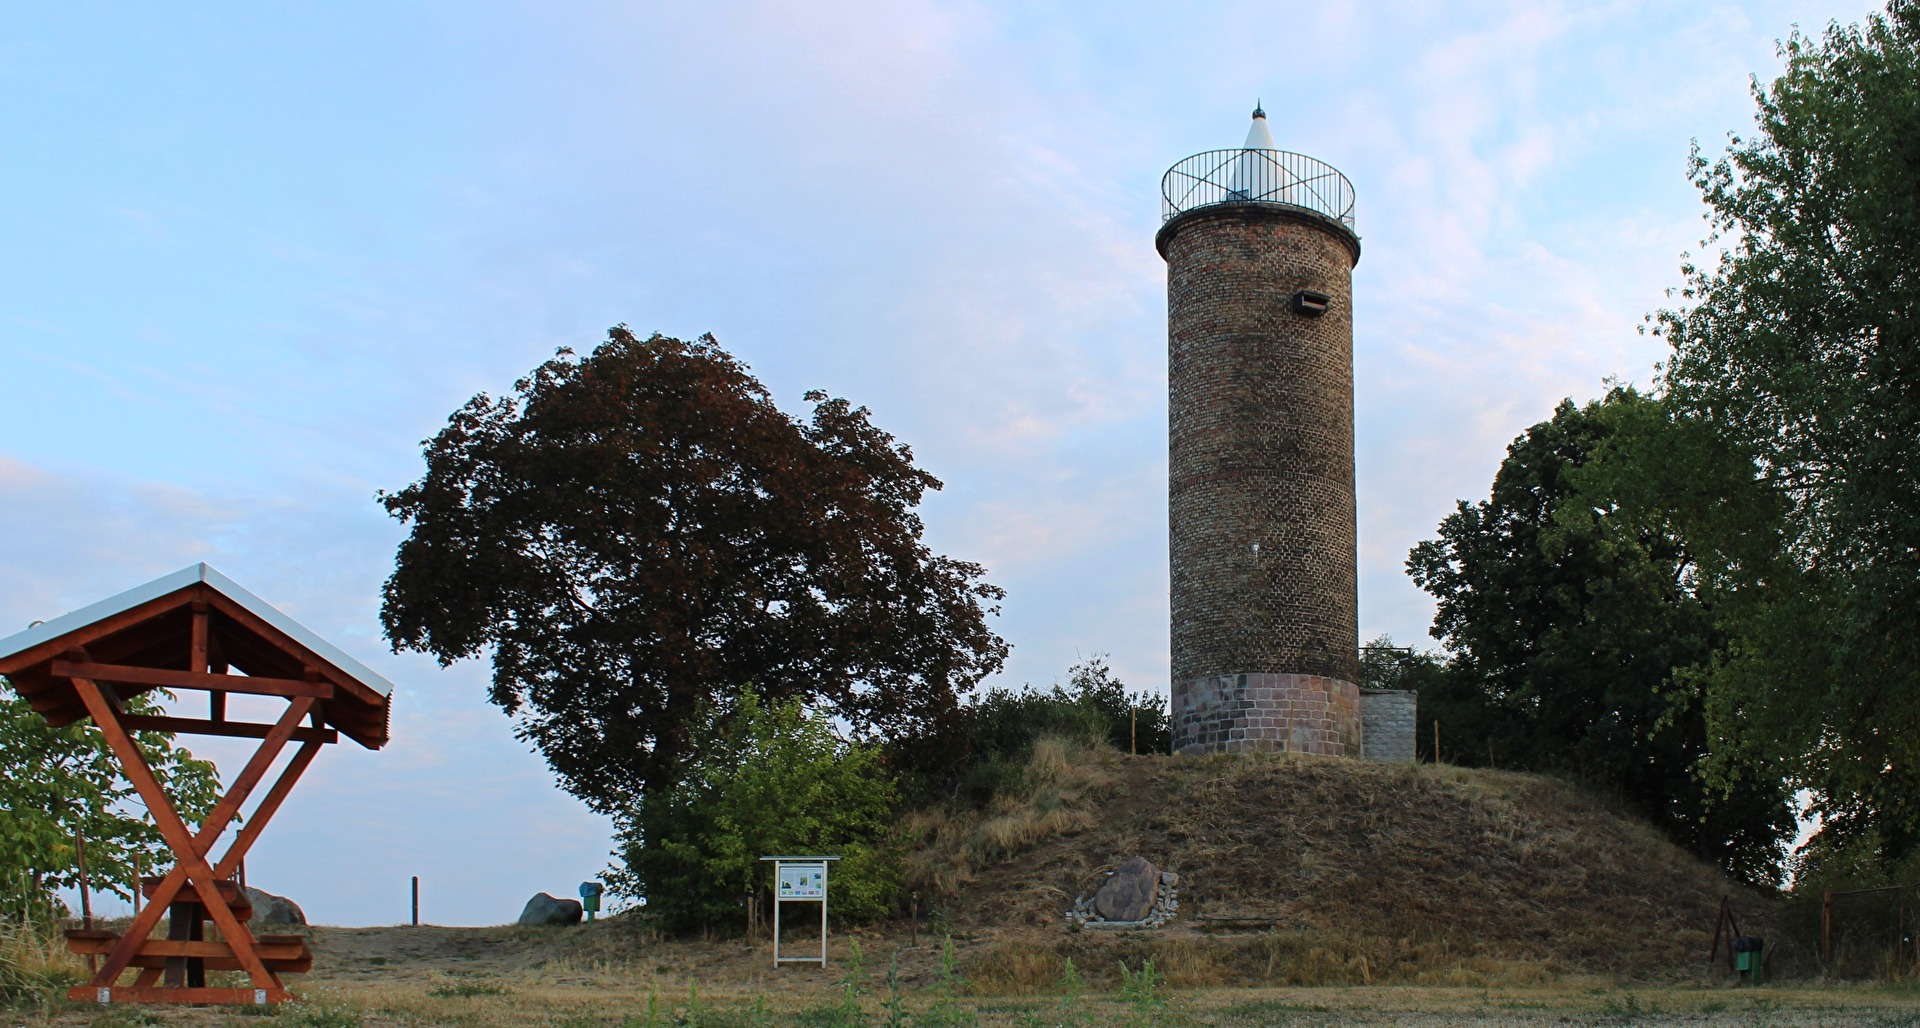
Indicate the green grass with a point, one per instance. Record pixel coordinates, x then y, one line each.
452 990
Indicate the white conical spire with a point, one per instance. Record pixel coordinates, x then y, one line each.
1258 137
1254 174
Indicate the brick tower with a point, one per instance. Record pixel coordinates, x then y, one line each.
1260 250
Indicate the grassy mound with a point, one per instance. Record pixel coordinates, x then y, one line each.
1306 870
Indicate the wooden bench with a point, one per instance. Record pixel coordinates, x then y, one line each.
283 954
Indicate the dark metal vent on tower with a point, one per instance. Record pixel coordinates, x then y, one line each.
1255 176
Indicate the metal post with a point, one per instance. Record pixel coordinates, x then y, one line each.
776 918
416 901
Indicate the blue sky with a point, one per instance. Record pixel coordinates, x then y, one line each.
255 254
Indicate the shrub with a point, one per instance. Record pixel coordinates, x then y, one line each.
769 779
992 739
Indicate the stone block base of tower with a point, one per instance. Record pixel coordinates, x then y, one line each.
1286 713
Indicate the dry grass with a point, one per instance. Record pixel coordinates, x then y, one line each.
1352 872
799 996
1373 893
1062 785
608 974
35 966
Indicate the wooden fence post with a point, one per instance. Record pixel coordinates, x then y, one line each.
1826 928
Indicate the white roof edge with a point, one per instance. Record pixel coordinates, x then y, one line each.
176 581
799 858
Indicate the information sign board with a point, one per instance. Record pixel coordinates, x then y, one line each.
800 879
803 881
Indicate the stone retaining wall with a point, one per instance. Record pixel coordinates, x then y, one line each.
1290 713
1387 724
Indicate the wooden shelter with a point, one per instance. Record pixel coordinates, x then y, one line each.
196 631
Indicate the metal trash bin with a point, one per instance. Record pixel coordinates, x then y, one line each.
1747 953
590 897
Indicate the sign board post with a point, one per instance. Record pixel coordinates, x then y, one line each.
800 880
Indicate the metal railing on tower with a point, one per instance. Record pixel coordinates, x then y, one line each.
1249 176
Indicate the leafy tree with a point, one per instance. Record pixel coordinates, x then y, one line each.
635 532
768 779
56 782
1800 347
1565 612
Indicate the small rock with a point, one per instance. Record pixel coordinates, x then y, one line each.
1129 893
269 909
1169 878
544 909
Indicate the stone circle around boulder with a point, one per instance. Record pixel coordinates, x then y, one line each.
543 909
1164 907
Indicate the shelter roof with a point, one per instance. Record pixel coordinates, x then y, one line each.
146 638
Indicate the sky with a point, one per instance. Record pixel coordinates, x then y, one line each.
255 254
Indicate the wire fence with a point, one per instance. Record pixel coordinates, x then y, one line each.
1256 177
1869 933
1859 934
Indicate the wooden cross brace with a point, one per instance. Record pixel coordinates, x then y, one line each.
192 876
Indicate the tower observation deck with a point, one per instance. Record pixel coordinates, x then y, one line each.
1258 174
1260 249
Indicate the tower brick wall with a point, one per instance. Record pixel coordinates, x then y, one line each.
1265 631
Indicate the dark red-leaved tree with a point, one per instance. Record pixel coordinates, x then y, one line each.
632 532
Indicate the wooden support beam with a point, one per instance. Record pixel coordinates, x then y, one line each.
134 766
278 965
232 729
250 830
197 641
147 994
131 675
98 630
190 868
271 947
249 776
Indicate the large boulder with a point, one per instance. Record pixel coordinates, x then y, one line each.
269 909
1129 893
545 909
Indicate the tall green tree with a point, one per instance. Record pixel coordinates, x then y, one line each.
767 780
60 784
1800 348
633 533
1565 609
